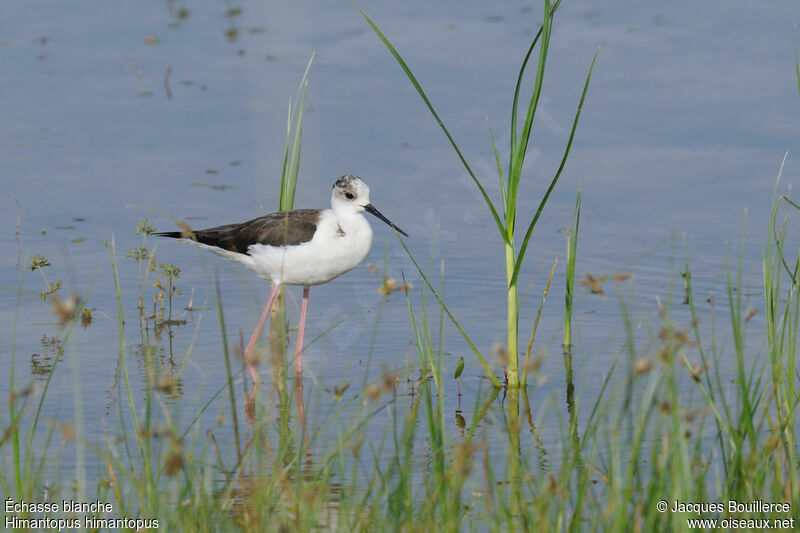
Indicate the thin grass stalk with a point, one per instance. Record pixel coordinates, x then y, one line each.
796 60
435 432
440 351
782 328
743 381
228 367
374 335
572 250
524 379
500 173
452 318
708 389
143 446
80 455
14 414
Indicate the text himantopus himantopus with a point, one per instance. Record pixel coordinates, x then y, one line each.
301 247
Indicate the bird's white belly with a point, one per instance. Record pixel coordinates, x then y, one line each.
328 255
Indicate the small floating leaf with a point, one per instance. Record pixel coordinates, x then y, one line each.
459 367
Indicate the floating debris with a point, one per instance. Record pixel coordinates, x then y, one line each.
594 284
642 366
390 285
211 186
64 309
337 391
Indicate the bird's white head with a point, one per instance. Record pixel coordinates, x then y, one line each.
350 195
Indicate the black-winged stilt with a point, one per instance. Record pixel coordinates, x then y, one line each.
301 247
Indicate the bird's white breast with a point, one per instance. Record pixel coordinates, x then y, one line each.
339 245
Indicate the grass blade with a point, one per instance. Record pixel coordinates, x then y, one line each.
499 168
524 378
536 216
519 82
796 61
463 333
518 151
424 97
572 249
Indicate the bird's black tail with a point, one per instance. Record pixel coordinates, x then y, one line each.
171 234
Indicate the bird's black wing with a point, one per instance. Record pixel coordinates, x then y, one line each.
285 228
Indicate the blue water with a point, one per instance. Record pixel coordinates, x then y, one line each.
117 112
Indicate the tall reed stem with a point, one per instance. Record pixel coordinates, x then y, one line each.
513 317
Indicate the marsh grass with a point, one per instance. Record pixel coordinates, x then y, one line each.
384 455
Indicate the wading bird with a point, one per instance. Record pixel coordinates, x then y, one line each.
301 247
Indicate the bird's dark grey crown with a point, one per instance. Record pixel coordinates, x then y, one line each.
345 181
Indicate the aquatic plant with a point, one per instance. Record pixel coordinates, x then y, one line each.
509 178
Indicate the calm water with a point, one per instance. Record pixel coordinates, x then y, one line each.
116 112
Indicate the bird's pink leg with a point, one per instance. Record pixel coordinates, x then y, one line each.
298 361
261 321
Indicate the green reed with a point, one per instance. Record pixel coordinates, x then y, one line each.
510 177
294 140
572 252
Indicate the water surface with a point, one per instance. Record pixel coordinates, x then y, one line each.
114 113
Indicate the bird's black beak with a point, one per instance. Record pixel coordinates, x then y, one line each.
369 208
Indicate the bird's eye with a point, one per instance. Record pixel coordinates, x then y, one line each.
349 195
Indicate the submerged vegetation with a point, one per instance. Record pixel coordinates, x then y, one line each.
664 425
